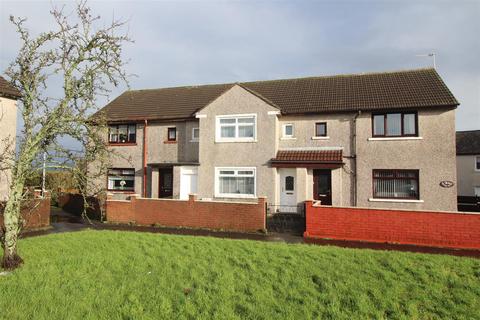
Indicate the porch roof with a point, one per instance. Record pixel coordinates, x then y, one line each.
319 158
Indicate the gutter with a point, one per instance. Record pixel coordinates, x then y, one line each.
145 158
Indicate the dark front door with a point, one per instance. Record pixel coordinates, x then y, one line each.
322 186
165 177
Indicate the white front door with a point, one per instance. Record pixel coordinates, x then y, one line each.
288 185
188 181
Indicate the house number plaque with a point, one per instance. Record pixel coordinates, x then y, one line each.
446 184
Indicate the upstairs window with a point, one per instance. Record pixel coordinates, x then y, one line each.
399 124
320 129
236 128
122 133
121 179
195 134
288 130
172 134
477 163
395 184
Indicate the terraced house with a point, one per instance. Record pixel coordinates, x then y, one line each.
369 140
8 126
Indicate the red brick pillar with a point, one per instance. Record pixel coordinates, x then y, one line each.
308 213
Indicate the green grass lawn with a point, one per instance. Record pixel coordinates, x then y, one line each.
127 275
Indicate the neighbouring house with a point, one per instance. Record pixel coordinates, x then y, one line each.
8 127
468 163
369 140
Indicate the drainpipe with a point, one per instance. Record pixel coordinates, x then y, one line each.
354 157
145 158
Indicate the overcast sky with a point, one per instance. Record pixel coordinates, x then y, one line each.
200 42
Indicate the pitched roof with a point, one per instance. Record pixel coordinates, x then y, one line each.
468 142
317 156
421 88
7 90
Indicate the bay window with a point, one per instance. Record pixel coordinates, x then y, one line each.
121 179
122 133
240 128
395 184
397 124
235 182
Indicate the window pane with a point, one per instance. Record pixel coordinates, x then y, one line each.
246 120
227 172
229 120
288 130
289 183
172 134
123 133
196 132
478 163
237 185
249 172
320 129
132 130
378 125
245 131
409 126
394 124
227 132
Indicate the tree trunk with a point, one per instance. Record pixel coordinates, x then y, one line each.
11 218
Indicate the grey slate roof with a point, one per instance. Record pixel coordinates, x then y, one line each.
421 88
468 142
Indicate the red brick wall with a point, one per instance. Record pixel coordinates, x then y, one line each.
437 229
191 214
36 214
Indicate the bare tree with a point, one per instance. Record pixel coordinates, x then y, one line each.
87 59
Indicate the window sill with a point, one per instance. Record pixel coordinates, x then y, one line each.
120 191
122 144
194 140
235 196
395 200
169 142
288 138
394 138
236 141
321 138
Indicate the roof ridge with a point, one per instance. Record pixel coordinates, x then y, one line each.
289 79
183 87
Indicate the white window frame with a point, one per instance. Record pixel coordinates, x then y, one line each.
193 134
475 159
284 131
476 191
218 138
235 195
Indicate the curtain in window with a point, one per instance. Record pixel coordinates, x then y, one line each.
394 124
237 185
395 184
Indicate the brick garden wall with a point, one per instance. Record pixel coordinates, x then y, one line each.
437 229
233 216
36 214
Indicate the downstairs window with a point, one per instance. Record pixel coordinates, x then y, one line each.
121 179
395 184
235 182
